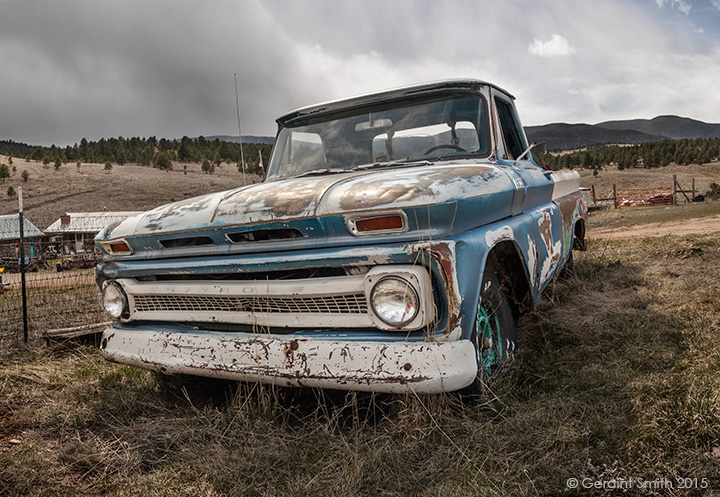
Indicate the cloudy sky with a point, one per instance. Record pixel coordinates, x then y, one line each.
88 68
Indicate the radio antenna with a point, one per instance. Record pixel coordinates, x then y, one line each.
237 106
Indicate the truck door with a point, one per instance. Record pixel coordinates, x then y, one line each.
537 182
533 194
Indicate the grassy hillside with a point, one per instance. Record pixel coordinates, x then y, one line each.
49 192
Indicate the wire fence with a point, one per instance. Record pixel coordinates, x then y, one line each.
59 290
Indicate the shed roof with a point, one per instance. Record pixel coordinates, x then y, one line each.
10 228
87 222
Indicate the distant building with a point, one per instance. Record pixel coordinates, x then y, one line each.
75 231
10 236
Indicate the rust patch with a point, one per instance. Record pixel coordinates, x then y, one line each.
162 218
445 257
545 227
572 207
377 191
546 236
284 203
568 208
289 349
289 198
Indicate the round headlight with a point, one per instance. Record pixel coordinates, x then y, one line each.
394 301
114 300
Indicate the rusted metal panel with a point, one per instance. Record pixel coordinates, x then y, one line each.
444 253
573 209
644 197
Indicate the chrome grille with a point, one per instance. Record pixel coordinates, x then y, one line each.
330 304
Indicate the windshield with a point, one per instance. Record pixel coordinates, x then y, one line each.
405 131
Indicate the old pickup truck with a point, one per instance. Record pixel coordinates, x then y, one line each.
394 242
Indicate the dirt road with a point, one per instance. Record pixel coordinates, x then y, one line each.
685 227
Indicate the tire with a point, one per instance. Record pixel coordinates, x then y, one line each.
494 335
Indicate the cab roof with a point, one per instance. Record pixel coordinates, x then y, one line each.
371 98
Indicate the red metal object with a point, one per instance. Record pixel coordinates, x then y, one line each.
643 197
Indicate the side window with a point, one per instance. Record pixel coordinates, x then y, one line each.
510 129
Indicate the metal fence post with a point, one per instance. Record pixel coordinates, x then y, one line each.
22 265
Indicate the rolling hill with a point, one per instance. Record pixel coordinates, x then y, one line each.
669 126
563 136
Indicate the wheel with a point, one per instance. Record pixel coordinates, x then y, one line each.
494 335
447 145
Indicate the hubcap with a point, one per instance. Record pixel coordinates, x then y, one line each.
488 335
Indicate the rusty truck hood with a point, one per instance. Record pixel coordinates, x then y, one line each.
320 196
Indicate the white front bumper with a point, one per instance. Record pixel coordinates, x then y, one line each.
350 365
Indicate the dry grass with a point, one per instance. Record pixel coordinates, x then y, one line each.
618 376
49 192
633 216
660 177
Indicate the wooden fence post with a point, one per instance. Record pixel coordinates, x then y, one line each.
615 201
693 188
674 188
592 188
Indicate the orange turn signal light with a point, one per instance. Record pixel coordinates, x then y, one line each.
118 247
385 223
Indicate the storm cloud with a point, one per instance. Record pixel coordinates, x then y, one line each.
81 68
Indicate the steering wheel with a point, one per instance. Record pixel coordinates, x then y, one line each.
445 145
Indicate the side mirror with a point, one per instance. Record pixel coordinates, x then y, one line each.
538 150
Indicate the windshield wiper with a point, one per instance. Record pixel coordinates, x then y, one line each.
393 163
325 170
